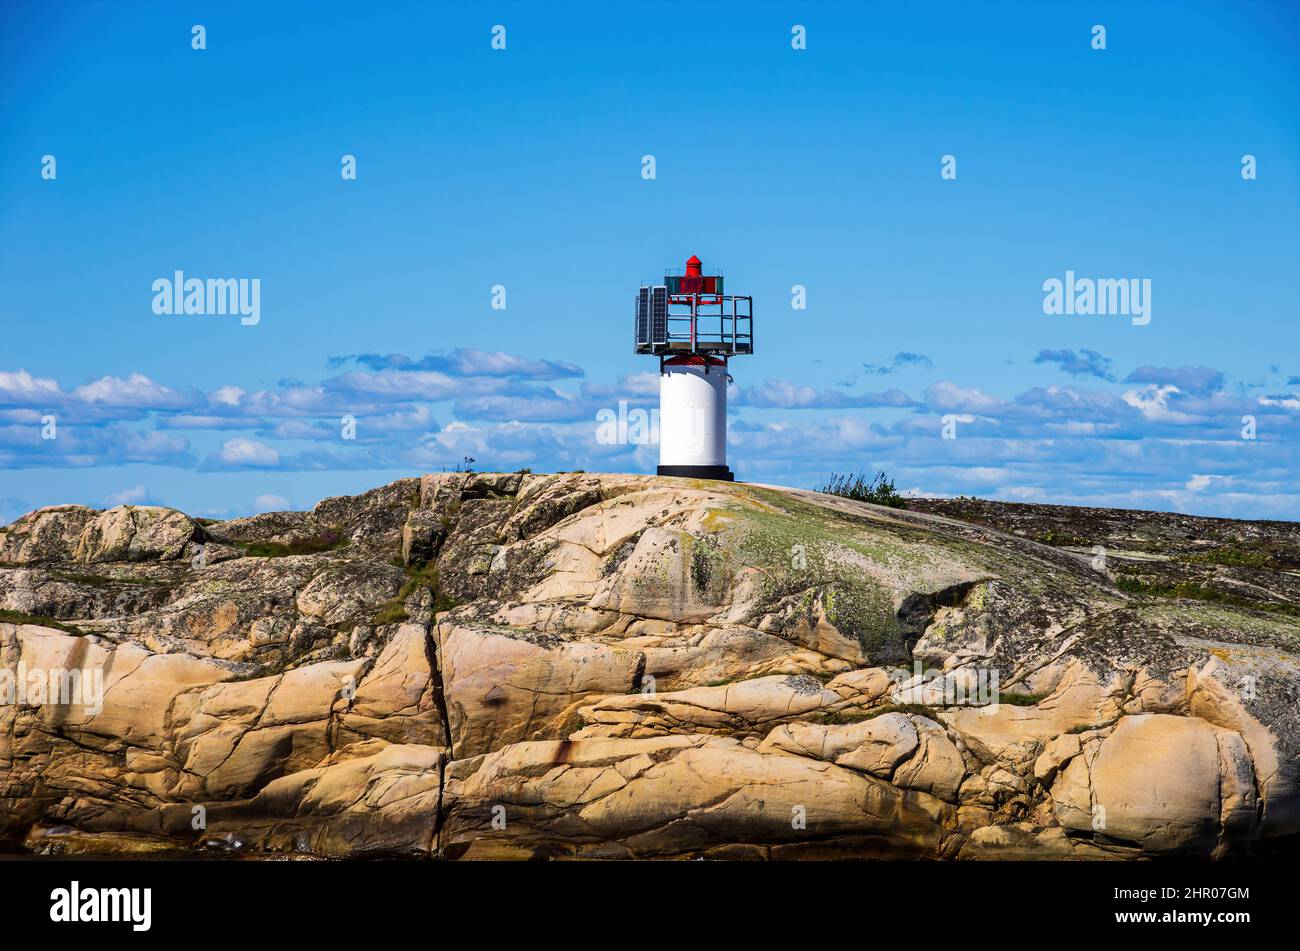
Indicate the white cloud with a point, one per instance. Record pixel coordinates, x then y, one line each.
1072 444
1199 483
266 502
402 384
136 495
949 396
247 452
137 390
1022 493
1153 403
226 396
20 388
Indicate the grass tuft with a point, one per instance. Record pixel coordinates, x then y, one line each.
878 490
423 575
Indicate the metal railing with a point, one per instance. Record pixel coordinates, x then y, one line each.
710 323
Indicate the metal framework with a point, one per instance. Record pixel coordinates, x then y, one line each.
719 324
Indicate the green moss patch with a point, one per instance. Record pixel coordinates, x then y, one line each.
1261 557
1020 699
18 617
418 576
858 716
325 540
106 581
1191 591
804 551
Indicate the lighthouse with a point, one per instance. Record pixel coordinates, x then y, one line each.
694 327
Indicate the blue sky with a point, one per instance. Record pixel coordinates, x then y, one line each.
522 167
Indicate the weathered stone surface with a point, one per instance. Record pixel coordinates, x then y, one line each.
669 575
1275 771
373 520
1056 754
1023 841
516 665
134 533
1162 783
937 766
1079 700
48 534
422 534
1257 559
395 699
873 746
698 656
625 798
241 735
348 591
504 686
381 804
545 501
745 706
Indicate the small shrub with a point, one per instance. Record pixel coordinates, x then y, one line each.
878 490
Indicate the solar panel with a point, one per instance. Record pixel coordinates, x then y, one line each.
643 317
659 314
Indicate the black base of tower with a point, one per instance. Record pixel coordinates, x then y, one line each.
721 473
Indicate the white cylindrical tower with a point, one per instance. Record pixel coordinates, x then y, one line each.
693 417
694 327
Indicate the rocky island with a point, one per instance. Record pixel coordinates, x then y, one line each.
516 665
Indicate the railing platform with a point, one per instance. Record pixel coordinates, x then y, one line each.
718 324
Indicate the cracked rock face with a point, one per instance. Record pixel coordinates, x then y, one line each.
510 665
